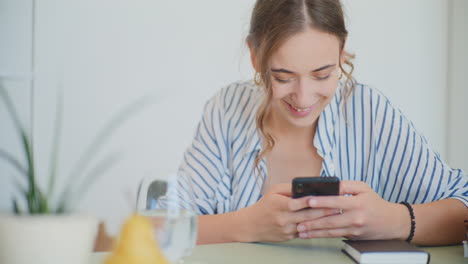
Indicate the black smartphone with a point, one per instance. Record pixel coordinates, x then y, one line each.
315 186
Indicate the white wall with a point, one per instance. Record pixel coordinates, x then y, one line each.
108 53
458 95
401 49
15 68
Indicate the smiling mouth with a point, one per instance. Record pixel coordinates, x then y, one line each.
300 109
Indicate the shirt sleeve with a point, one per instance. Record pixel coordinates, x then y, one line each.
203 159
409 170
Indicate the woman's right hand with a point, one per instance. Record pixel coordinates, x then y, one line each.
275 216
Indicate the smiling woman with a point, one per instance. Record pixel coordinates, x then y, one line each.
298 119
107 52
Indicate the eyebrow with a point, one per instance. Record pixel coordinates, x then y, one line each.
290 72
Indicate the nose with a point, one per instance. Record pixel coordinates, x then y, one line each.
303 92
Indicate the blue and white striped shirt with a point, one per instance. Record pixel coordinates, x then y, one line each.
375 144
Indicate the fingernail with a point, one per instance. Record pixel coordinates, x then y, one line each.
300 228
312 202
303 235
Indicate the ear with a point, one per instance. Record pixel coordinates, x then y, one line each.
253 56
343 53
343 57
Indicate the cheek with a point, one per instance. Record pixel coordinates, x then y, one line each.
280 91
329 89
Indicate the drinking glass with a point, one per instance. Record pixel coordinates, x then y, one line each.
168 200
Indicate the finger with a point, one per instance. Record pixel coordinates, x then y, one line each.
280 202
281 189
329 222
312 214
338 232
299 203
336 202
353 187
290 229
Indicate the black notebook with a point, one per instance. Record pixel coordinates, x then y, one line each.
384 251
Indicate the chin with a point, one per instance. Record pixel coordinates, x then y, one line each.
298 122
303 122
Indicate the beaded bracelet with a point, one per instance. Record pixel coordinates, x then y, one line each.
413 222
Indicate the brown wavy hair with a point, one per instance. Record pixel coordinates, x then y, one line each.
272 23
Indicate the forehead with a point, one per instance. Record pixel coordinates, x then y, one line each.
306 51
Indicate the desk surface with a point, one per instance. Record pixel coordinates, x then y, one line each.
296 251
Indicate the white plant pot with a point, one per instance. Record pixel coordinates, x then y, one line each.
47 239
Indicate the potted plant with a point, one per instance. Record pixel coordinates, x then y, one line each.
40 231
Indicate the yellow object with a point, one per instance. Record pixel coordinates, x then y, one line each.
136 244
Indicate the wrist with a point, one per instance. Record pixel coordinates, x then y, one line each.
412 220
222 228
241 231
403 227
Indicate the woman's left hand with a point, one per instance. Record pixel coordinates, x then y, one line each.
365 215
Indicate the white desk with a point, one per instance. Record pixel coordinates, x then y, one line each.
296 251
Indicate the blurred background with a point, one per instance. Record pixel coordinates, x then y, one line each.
105 54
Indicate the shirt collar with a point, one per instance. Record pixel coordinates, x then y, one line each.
324 139
253 143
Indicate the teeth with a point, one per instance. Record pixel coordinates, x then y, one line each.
301 109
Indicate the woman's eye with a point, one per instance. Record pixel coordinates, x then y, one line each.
283 80
321 78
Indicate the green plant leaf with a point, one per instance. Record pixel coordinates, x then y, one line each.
94 174
31 196
11 108
30 202
13 161
38 203
15 206
43 203
31 176
101 138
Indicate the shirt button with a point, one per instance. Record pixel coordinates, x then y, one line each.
331 167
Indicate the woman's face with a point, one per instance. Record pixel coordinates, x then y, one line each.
304 77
